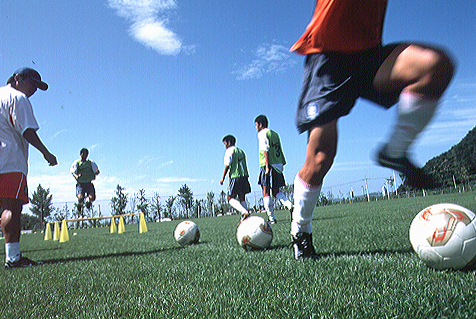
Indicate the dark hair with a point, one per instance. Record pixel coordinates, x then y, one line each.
262 119
84 151
229 139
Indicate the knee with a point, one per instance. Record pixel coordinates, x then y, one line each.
440 73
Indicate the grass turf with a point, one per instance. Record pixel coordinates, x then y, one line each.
367 269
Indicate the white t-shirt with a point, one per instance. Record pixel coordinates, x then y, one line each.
16 116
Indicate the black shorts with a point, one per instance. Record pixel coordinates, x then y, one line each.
239 186
333 81
85 188
274 180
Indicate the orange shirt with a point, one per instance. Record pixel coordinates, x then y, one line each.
343 26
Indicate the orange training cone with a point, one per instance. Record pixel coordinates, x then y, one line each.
64 232
121 226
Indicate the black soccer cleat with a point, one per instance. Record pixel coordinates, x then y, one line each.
414 176
22 262
303 248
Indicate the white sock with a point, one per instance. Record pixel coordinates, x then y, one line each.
269 206
414 113
305 200
236 205
12 251
284 200
243 203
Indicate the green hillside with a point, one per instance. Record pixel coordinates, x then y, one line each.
458 165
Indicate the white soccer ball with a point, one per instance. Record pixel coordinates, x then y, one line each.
187 233
444 236
254 233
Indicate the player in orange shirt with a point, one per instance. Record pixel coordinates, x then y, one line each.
345 60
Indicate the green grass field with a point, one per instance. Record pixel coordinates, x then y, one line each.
367 269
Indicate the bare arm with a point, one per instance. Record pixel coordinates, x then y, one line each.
266 157
32 138
224 174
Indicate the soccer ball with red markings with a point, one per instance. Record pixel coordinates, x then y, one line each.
187 233
254 233
444 236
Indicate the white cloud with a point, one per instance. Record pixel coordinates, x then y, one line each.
270 58
149 23
176 179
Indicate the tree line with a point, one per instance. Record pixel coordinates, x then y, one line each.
183 205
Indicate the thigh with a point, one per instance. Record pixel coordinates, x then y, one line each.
423 69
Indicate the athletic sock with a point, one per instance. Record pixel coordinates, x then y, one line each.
236 205
284 200
243 203
269 206
12 251
305 200
414 113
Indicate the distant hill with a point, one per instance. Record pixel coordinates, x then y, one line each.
456 165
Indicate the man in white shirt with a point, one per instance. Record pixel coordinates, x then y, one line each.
18 128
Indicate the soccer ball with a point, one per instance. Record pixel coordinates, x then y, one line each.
187 233
254 233
444 236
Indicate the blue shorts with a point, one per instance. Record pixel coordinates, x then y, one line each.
333 81
85 188
274 180
239 186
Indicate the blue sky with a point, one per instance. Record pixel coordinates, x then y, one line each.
151 87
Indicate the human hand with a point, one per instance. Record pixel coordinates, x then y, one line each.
51 159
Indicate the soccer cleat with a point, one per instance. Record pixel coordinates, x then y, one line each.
415 177
22 262
88 204
303 248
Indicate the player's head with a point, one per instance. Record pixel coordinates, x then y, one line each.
84 153
27 81
229 140
261 122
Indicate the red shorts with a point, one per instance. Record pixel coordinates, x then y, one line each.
13 185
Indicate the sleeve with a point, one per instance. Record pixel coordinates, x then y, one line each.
94 167
22 115
263 141
74 167
228 156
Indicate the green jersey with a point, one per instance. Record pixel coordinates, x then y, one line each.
269 141
235 158
86 169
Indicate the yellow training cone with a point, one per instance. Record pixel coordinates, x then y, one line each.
113 226
48 232
64 232
121 226
142 224
56 231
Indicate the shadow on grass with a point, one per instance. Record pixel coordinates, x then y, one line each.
88 258
349 253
